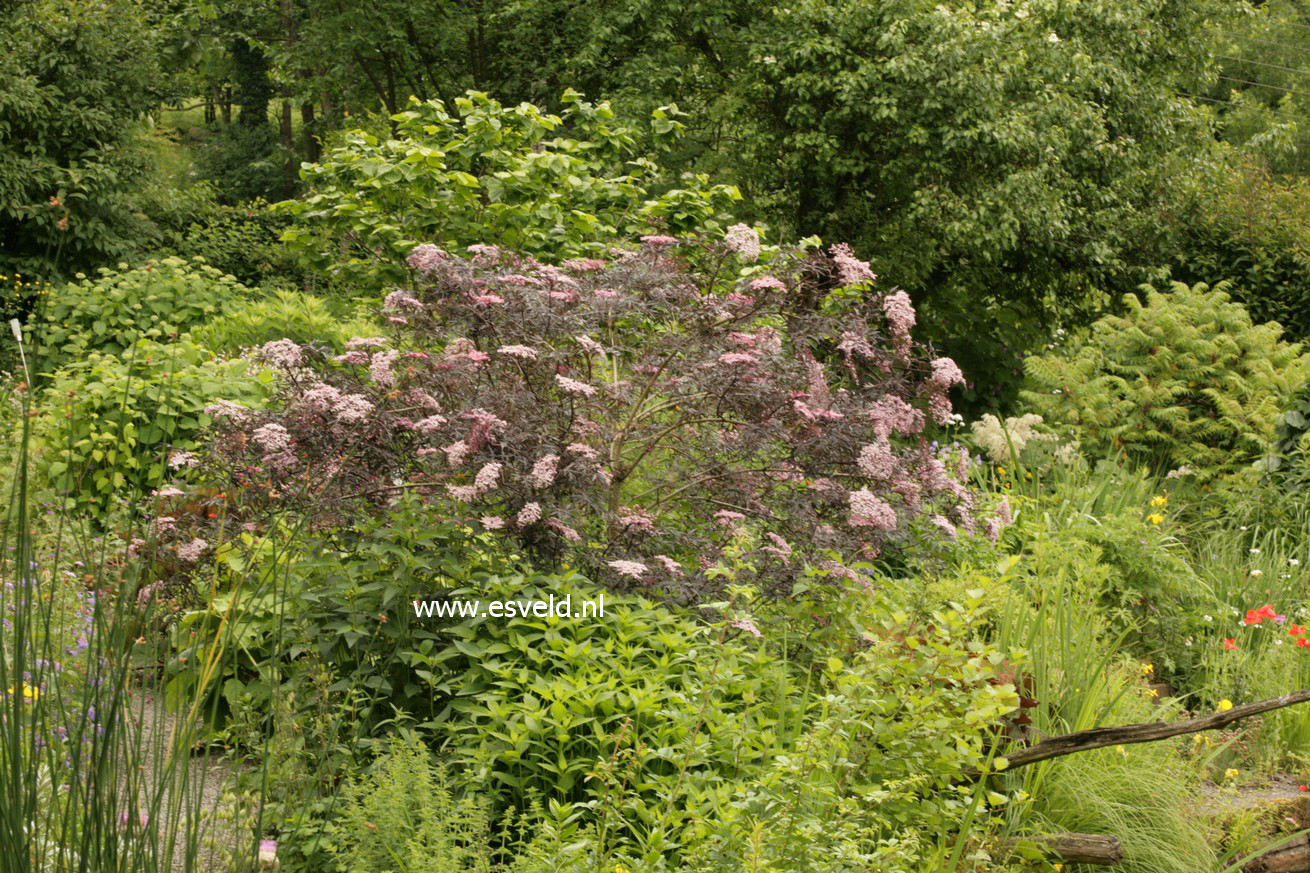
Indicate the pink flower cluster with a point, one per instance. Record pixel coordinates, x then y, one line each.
623 414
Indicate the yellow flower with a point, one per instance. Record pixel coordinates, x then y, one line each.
1153 692
1225 705
619 868
30 694
1231 773
1155 518
1148 668
1160 501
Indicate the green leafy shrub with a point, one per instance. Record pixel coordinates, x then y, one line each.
242 241
283 314
1244 226
539 184
539 701
872 784
118 308
1181 379
75 80
245 162
110 421
403 816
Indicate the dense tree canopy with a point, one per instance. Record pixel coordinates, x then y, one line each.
76 80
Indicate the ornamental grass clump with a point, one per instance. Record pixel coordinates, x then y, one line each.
630 415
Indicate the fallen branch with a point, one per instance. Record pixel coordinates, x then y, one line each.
1291 857
1075 848
1124 735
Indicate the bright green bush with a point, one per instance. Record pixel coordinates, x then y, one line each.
873 782
539 184
403 816
539 701
109 422
1181 379
283 314
118 308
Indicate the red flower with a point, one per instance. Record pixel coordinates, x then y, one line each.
1229 645
1256 616
1303 643
1296 630
1300 788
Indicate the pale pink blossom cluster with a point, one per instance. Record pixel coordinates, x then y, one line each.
900 318
563 530
877 461
431 424
634 569
425 258
182 458
767 283
526 353
528 515
398 300
745 624
590 345
781 549
944 524
946 373
657 241
484 254
191 552
352 408
636 521
869 510
544 471
742 239
582 450
850 269
584 265
272 438
320 397
226 409
380 368
283 353
488 477
456 452
573 386
672 567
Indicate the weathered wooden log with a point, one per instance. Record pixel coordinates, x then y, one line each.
1077 848
1128 734
1290 857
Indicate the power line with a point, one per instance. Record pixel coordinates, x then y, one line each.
1292 24
1263 64
1282 45
1263 85
1244 106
